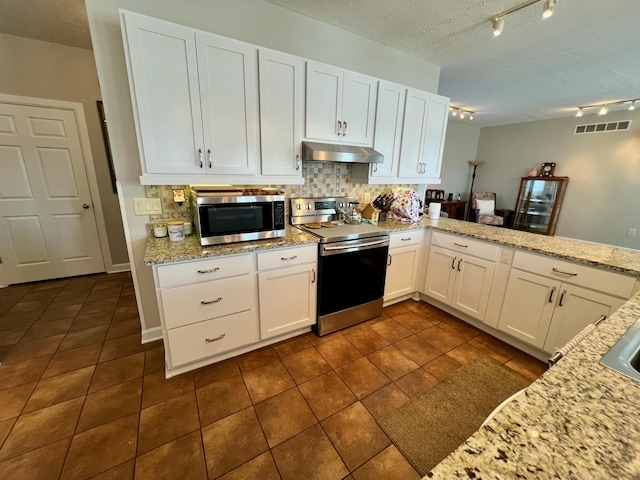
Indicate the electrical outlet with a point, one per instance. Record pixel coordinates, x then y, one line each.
631 232
147 206
506 256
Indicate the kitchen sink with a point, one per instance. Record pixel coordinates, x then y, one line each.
624 356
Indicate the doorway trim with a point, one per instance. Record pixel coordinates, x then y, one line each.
85 145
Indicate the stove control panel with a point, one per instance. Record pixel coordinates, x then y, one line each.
325 207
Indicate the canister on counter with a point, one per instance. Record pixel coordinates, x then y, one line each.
159 230
188 228
176 231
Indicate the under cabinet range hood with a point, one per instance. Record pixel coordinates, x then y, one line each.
327 152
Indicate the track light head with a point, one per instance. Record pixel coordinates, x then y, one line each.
632 107
498 25
470 117
603 110
455 112
461 115
549 8
580 112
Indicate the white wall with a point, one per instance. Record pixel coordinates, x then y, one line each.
601 202
253 21
32 68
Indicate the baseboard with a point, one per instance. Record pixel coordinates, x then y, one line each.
119 267
152 334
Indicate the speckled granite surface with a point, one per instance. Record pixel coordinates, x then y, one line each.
580 420
163 250
603 256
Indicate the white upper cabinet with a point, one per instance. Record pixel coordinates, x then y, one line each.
436 130
388 131
340 105
281 112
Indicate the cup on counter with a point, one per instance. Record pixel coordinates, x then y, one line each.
176 231
434 211
160 230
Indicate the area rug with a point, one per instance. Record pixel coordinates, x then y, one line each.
432 425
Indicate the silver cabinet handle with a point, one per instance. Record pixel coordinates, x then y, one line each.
209 302
209 155
211 270
389 260
209 340
297 162
314 275
286 259
375 167
453 263
459 262
564 273
200 157
460 245
560 303
344 129
551 294
405 239
339 128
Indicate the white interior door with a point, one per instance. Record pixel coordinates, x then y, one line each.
47 223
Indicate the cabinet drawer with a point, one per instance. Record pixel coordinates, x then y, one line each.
404 239
201 301
204 270
205 339
568 272
287 257
476 248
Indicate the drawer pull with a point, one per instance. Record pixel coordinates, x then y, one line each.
453 263
211 270
405 239
564 273
551 294
460 245
389 260
459 262
209 302
286 259
209 340
314 275
560 303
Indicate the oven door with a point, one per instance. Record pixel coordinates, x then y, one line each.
351 274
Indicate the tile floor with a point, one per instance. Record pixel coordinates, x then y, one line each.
80 397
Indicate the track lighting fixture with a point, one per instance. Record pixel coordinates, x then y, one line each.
497 21
604 107
455 111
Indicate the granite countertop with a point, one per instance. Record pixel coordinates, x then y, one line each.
579 420
603 256
163 250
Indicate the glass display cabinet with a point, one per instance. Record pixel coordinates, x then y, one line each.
539 203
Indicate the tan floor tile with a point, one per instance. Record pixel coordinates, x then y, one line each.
256 359
43 463
214 373
391 330
387 465
366 340
116 442
413 321
338 351
305 365
123 329
417 349
527 366
13 400
90 320
316 340
103 293
36 295
309 454
362 377
81 338
117 371
392 362
121 347
109 404
327 394
284 416
124 471
157 388
289 347
13 336
384 400
416 382
98 306
262 467
75 359
220 399
396 309
459 329
42 427
441 367
267 381
5 428
125 313
232 441
33 349
154 360
60 388
493 348
167 421
464 353
440 339
126 301
19 320
23 372
48 329
181 458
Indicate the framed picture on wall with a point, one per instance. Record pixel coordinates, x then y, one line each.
107 145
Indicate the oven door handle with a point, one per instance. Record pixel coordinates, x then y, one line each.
358 245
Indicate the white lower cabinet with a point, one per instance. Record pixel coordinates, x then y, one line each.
403 263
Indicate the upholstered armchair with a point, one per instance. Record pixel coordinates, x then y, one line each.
483 209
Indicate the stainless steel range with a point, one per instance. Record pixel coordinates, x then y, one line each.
352 262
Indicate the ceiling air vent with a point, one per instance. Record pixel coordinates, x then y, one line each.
603 127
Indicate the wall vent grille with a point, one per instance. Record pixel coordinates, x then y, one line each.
602 127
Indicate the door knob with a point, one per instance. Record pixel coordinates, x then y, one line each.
85 205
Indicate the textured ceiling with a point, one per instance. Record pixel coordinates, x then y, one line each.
586 53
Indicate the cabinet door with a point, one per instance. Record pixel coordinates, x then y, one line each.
528 307
413 134
436 129
388 129
324 102
358 109
163 77
440 274
287 299
472 285
281 107
228 74
576 308
401 272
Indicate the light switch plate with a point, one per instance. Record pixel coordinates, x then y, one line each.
147 206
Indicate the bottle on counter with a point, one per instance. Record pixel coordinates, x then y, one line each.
458 197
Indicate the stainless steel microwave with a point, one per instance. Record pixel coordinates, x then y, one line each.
237 215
